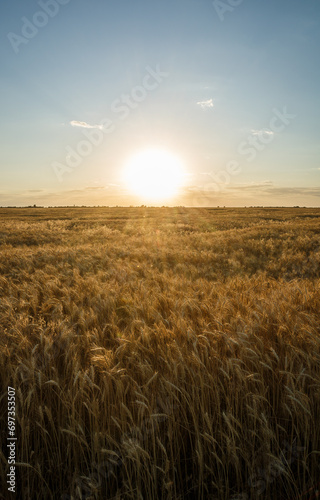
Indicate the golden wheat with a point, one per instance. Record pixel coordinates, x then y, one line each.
162 353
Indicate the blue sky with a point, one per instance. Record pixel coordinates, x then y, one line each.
229 70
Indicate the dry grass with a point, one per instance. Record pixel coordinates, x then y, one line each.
162 353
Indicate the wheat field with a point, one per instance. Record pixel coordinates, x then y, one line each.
161 353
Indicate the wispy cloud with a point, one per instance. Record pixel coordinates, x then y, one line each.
253 186
244 194
268 188
205 104
262 131
75 123
264 193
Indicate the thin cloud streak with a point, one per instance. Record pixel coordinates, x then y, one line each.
206 104
263 193
262 131
75 123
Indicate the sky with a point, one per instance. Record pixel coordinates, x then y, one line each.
229 88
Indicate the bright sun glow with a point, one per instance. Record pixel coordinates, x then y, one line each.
154 174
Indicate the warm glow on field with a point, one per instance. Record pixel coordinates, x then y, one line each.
154 174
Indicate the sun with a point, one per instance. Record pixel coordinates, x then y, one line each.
154 174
